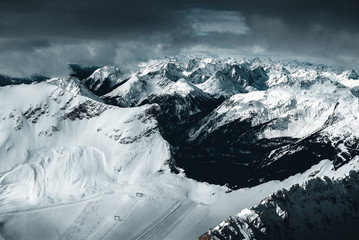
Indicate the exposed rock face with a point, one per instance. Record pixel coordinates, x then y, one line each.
6 80
80 72
353 75
318 209
242 123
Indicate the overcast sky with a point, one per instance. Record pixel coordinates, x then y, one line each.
42 36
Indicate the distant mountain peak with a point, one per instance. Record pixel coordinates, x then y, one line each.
81 72
352 74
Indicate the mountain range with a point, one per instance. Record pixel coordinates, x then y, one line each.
174 148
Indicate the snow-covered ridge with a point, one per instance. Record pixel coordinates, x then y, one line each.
51 137
105 79
288 104
320 208
116 139
7 80
227 77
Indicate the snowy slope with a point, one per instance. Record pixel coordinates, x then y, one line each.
152 82
95 158
293 111
317 209
105 79
52 138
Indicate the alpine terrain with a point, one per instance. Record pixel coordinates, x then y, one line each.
171 150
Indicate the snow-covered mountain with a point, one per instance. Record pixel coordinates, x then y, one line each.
321 208
56 139
177 147
6 80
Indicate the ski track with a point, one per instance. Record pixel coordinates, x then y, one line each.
46 207
163 225
123 213
190 234
74 231
94 223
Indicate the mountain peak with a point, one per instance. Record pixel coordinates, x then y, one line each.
81 72
175 142
352 74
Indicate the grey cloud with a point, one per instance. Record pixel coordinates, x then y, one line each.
206 21
86 19
9 45
42 36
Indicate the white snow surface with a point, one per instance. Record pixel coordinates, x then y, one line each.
76 168
109 73
318 201
294 107
49 143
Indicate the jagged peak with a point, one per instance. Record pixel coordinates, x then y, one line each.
80 72
34 78
352 74
107 72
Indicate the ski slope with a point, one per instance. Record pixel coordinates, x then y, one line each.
166 211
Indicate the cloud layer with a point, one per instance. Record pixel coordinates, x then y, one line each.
41 36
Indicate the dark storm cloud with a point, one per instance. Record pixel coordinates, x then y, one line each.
19 45
86 19
322 29
42 36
